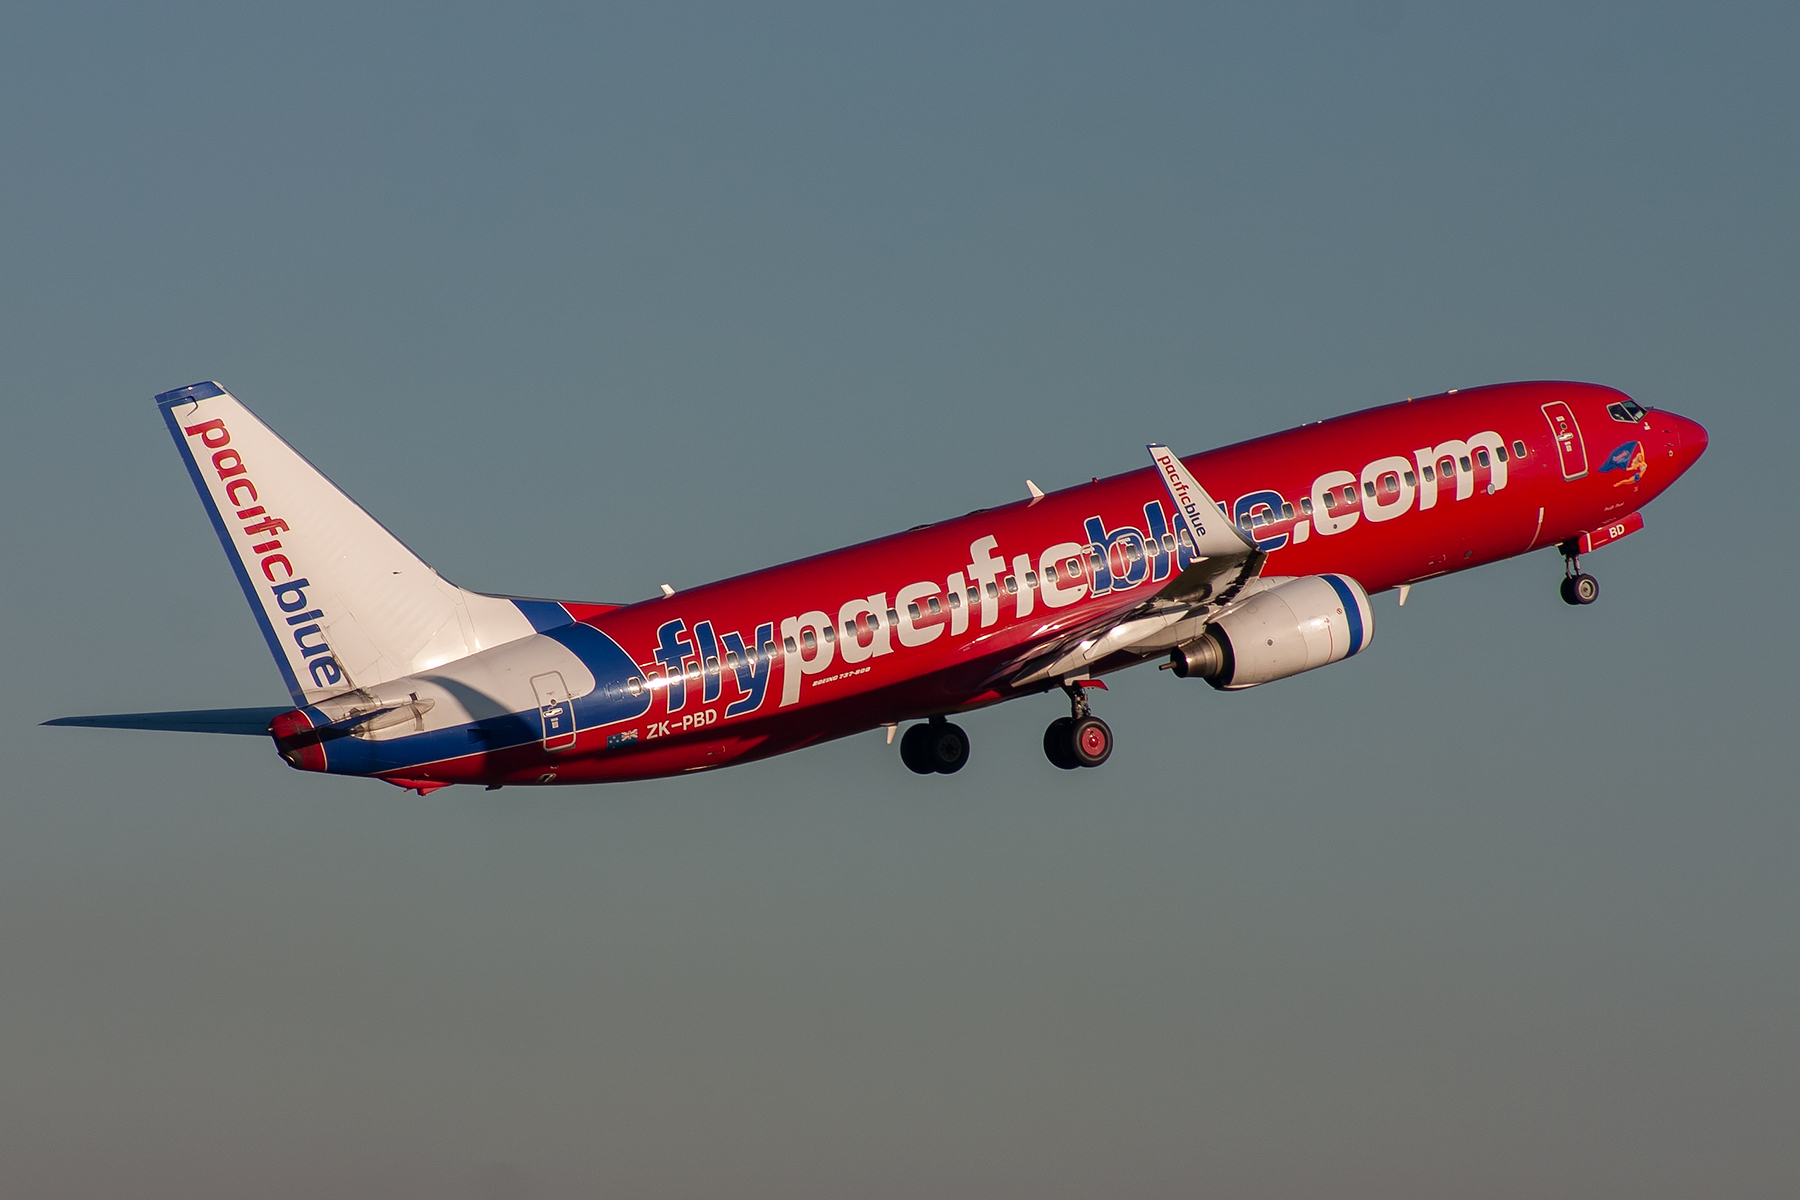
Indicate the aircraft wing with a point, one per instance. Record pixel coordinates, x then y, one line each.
1225 561
253 722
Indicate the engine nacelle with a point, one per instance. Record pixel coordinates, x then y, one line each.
1292 627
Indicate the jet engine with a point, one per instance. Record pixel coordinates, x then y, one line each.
1292 627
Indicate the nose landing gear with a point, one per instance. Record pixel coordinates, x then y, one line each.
1080 739
1578 587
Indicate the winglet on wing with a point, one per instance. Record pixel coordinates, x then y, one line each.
1213 533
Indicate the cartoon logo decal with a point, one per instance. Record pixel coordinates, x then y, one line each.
1629 458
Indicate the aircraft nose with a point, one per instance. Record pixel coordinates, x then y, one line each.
1690 439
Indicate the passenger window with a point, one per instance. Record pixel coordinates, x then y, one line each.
1331 500
1411 479
712 666
1430 475
1306 507
731 659
893 617
912 610
975 593
1168 544
1481 456
1031 579
1012 585
955 599
693 671
1368 489
992 591
1463 462
1050 573
1518 449
1073 569
830 634
1349 494
1500 453
635 686
1287 512
1133 552
933 607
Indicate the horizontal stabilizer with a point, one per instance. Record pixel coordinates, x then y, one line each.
253 722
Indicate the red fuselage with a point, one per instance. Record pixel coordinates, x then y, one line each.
1389 496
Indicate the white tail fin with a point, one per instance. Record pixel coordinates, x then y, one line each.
341 601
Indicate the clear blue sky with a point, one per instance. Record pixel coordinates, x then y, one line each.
579 300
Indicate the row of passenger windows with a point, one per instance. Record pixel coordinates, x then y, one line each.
1446 469
1069 569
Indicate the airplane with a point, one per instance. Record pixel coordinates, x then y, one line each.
1238 566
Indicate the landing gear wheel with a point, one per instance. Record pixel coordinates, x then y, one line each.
947 746
1090 741
1059 743
1578 587
915 750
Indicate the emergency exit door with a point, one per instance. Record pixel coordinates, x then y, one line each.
1569 446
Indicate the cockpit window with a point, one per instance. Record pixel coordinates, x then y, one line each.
1628 411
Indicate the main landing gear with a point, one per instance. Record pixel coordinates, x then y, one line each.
1578 587
1079 739
936 747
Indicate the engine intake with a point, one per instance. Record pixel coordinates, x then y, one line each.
1292 627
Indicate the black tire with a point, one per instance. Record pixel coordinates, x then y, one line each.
1568 591
1585 589
949 747
915 750
1059 744
1090 741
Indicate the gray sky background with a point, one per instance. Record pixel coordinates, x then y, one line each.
579 300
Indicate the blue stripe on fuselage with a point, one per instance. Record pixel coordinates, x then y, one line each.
610 702
544 615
